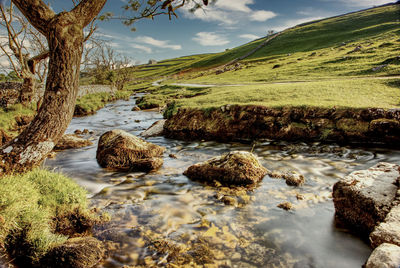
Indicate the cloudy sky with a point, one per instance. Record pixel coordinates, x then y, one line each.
226 24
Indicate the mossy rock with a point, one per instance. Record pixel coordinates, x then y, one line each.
349 125
385 126
234 168
81 252
120 150
71 141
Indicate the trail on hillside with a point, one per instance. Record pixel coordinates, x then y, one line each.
279 83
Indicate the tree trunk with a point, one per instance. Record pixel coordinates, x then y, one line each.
28 89
30 148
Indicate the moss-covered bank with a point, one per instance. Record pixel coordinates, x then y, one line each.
39 212
233 122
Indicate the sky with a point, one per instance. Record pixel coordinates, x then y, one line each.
227 24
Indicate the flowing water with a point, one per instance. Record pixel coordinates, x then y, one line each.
164 217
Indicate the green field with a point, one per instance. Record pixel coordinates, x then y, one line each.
338 61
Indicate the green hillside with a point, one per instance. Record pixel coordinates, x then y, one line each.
326 33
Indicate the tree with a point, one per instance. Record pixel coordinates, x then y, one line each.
64 34
21 42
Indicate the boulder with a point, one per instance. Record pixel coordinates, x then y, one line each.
135 109
386 255
81 252
71 141
120 150
234 168
387 231
364 198
154 130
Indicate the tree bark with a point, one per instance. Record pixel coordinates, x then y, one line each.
64 33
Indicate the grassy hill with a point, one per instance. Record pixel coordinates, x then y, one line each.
330 62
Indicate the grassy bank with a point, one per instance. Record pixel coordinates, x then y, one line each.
344 93
32 206
90 103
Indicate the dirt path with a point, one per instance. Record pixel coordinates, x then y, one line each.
281 83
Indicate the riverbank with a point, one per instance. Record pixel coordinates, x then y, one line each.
46 221
308 124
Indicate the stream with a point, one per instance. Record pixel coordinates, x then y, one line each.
250 231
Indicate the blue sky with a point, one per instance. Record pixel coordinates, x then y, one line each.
227 24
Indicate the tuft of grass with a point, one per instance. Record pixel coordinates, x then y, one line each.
28 205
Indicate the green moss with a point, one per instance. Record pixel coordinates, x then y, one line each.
352 125
28 205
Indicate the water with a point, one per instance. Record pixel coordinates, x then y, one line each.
163 217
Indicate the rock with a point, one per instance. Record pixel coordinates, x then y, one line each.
234 168
285 205
154 130
71 141
135 109
292 178
276 66
137 121
229 200
81 252
380 67
386 255
78 132
120 150
364 198
389 230
173 156
356 49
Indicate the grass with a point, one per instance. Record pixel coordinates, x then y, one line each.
28 205
326 33
349 93
167 93
90 103
7 116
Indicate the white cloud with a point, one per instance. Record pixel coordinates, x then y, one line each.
228 12
365 3
294 22
235 5
262 15
143 48
210 39
249 36
157 43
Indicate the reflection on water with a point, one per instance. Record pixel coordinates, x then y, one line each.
163 217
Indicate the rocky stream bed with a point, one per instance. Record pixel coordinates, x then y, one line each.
163 219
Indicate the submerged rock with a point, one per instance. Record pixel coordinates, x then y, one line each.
81 252
386 255
292 178
234 168
120 150
71 141
364 198
154 130
285 205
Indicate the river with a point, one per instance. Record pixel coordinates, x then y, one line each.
253 232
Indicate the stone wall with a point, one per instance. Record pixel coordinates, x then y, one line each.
9 93
233 122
